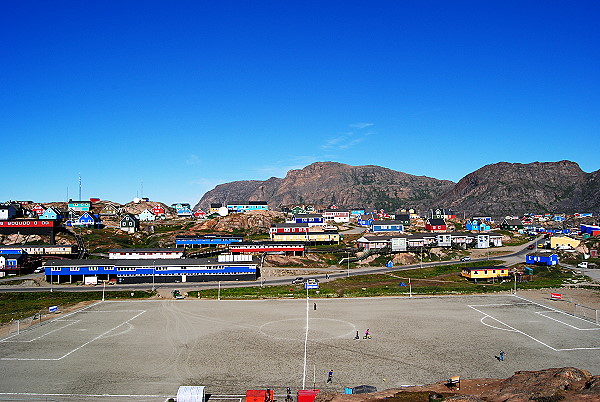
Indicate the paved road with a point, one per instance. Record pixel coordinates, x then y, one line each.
510 259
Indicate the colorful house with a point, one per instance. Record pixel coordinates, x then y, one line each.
159 211
485 272
200 214
12 263
214 208
542 258
146 216
403 218
297 210
87 220
477 226
365 220
110 210
356 212
511 224
7 212
563 242
311 219
129 223
442 213
386 226
337 215
288 228
248 206
79 205
51 213
435 225
39 209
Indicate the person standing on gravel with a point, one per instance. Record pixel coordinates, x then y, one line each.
330 376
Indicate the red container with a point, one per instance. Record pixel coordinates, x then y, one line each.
259 395
307 395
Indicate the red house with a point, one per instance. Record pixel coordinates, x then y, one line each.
39 209
199 213
158 210
435 225
289 228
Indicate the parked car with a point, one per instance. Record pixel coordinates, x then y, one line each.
531 247
298 280
312 280
465 259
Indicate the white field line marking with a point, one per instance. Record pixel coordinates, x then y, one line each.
47 333
305 345
61 318
543 314
514 329
77 348
491 326
83 395
556 310
497 304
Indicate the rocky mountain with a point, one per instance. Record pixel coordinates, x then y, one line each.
326 183
498 189
514 188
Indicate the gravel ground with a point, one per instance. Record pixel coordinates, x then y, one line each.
149 348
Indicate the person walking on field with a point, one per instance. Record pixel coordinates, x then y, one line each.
501 356
330 376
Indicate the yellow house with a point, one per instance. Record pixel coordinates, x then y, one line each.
563 242
484 272
313 237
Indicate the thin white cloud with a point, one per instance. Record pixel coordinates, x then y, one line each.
361 125
344 141
192 160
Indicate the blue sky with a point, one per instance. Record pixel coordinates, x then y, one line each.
177 97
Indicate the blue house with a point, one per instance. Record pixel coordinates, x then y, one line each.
387 226
542 258
51 214
558 218
356 212
87 220
477 225
365 220
311 219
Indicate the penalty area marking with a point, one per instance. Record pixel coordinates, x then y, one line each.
77 348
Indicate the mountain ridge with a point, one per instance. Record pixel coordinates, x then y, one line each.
494 189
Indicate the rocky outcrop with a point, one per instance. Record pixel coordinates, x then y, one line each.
248 222
555 384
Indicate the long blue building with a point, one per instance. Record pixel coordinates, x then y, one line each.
224 268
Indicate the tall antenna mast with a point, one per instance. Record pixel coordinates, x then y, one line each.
79 187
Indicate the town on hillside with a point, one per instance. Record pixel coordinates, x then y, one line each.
94 241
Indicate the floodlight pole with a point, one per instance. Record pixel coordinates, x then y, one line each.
219 293
515 274
50 280
103 288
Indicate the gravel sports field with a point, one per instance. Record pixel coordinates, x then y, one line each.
145 350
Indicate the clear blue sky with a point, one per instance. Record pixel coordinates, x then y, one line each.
184 95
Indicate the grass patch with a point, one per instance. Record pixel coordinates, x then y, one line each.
15 306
